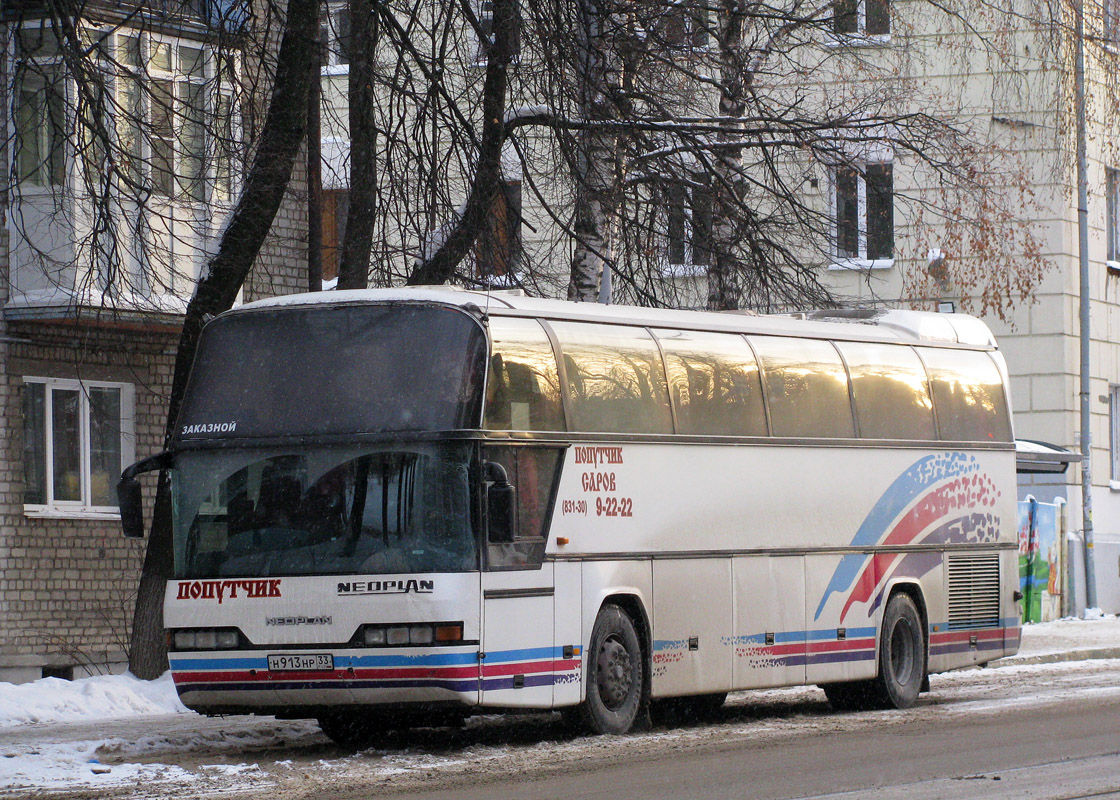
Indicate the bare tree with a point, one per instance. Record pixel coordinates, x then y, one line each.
353 267
267 179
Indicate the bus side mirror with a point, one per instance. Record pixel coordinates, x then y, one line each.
129 497
501 505
132 507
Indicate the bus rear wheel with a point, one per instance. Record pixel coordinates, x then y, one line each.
902 655
616 692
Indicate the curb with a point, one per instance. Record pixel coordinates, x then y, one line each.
1086 654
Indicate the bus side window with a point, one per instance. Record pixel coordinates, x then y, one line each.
890 390
616 381
523 389
968 395
714 383
533 472
806 387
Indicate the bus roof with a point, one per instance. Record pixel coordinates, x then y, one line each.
854 324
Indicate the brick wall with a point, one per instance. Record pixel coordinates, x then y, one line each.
67 584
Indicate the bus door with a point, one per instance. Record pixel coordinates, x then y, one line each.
519 662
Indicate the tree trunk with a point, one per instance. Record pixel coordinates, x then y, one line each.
353 269
315 181
284 130
597 157
723 288
440 266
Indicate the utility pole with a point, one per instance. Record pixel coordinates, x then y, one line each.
1086 331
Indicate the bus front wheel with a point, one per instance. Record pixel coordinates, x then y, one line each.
902 654
616 693
353 730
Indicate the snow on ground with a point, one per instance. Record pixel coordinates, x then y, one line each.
110 732
100 697
1095 630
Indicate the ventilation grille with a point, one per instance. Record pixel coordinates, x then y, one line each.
974 591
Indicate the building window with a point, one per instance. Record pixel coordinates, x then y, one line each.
40 109
334 35
1112 223
687 24
336 207
861 17
486 26
148 150
863 213
77 437
497 252
1114 433
690 224
1111 10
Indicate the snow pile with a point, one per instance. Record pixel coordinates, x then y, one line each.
101 697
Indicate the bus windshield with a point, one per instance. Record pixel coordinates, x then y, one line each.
327 370
324 511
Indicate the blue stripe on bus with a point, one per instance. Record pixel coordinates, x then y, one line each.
426 660
466 685
821 635
1005 622
342 661
218 664
527 654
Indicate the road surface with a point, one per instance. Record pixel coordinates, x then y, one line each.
1042 731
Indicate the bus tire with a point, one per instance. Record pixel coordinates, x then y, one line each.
351 729
616 687
357 729
902 654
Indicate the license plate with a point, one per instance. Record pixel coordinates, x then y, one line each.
303 661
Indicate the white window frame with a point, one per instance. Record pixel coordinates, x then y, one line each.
860 36
480 58
1112 215
43 182
139 234
83 508
695 21
861 261
333 64
688 267
1114 436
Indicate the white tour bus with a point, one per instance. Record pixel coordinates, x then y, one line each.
397 507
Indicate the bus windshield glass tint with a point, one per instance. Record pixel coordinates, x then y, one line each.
308 370
326 511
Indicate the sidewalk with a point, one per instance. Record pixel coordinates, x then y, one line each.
1066 640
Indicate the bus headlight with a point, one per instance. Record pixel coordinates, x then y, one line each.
419 633
205 639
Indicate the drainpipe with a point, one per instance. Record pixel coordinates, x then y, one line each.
1086 332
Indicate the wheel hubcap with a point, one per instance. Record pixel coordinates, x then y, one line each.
614 673
903 655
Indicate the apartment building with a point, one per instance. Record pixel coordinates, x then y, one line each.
100 247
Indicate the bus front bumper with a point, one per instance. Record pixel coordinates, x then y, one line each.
275 681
